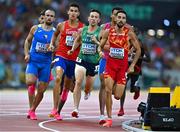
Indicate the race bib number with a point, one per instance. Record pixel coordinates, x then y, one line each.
78 60
117 53
96 68
88 48
41 47
69 40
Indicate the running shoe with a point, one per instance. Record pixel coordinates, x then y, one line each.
58 117
102 120
75 113
28 114
32 115
53 113
108 123
136 94
121 112
86 96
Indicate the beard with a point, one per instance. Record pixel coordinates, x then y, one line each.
120 24
48 23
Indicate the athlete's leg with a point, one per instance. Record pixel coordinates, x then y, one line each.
109 82
56 90
134 85
31 94
88 86
79 76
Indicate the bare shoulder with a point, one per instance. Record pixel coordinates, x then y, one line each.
33 28
60 26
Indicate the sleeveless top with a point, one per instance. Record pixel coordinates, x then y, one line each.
119 46
88 51
66 41
41 40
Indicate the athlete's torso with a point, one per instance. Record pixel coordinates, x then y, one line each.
119 45
40 43
66 41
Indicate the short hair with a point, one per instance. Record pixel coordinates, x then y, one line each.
121 11
94 10
117 8
74 5
42 12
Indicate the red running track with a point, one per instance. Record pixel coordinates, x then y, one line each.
14 107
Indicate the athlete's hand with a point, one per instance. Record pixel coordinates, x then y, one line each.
70 52
101 54
26 58
93 38
74 35
51 48
130 69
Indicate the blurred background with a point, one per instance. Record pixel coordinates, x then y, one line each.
158 21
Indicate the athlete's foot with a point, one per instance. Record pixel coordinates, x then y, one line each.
58 117
86 96
121 112
28 114
53 113
75 113
102 120
136 94
32 115
108 123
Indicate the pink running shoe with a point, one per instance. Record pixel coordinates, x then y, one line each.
75 113
108 123
53 113
58 117
32 115
28 114
102 120
121 112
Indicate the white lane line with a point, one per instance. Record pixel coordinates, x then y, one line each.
41 124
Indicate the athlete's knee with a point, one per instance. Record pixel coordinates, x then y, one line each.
30 82
58 79
78 83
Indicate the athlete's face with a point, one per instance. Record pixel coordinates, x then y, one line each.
94 18
73 13
41 19
49 17
121 19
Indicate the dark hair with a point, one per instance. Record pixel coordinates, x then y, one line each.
42 12
94 10
121 11
117 8
74 5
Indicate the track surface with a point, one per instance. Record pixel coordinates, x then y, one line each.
14 107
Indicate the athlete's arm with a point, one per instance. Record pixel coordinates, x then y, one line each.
146 56
134 41
27 43
76 42
103 41
55 35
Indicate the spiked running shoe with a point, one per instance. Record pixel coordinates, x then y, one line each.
58 117
108 123
86 96
75 113
136 94
121 112
53 113
102 120
32 115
